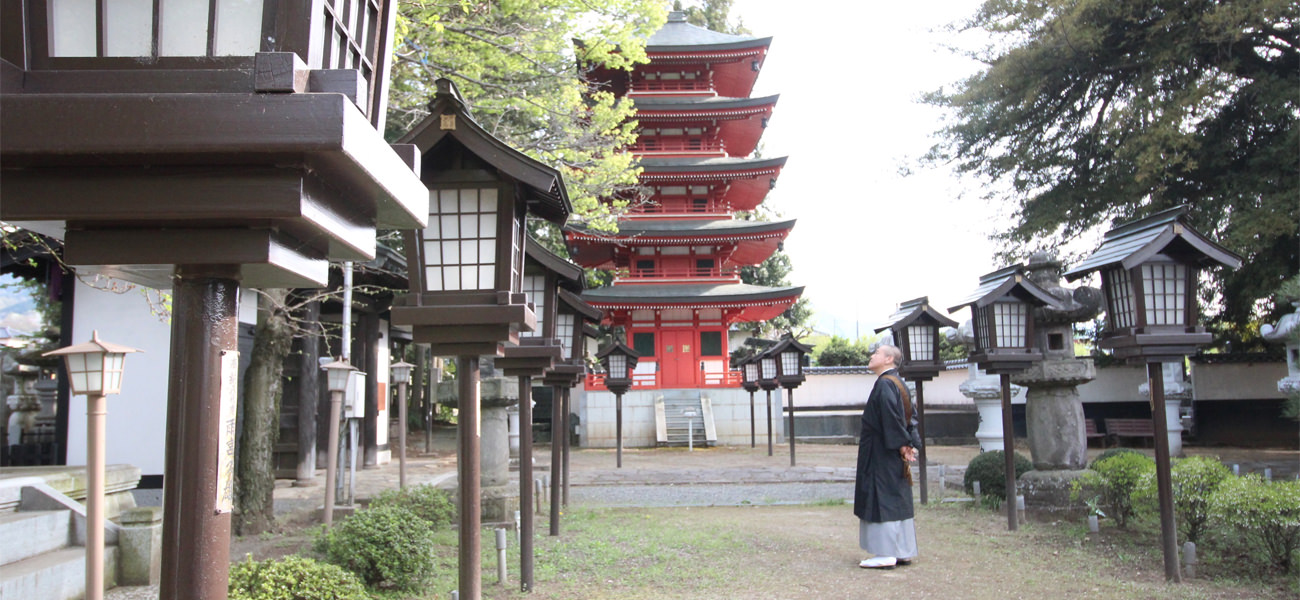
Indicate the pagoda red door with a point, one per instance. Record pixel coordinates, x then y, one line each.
679 359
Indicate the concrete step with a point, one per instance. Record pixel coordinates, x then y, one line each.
57 575
30 533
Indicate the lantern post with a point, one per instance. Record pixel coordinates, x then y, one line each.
619 362
95 371
767 381
1149 270
401 376
1006 343
749 381
915 329
789 356
336 380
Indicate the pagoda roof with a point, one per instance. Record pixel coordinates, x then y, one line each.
677 35
698 230
685 164
705 295
700 103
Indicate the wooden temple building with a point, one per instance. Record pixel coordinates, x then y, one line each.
677 256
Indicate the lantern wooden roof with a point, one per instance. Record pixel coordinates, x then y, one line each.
1133 243
915 310
620 347
450 118
94 345
568 274
1006 281
580 307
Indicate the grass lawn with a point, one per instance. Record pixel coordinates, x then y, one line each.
811 552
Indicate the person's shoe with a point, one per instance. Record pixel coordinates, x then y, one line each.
879 562
903 562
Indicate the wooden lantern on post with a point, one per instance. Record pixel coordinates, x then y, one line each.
789 356
915 329
1002 316
619 362
749 381
1149 270
466 269
767 381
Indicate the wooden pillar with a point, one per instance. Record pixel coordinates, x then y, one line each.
308 396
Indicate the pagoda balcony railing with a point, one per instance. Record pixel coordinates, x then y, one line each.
690 274
678 146
680 207
673 86
648 378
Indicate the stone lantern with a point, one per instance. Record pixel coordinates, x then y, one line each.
1287 332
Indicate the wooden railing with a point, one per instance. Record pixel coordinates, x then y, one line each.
662 86
715 273
677 146
650 381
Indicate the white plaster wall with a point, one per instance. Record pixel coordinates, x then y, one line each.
137 418
1237 381
1114 384
386 399
730 414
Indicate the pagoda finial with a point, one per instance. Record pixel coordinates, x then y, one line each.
677 16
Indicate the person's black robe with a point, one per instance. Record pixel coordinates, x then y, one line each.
882 494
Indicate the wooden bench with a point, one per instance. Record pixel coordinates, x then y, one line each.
1130 428
1090 431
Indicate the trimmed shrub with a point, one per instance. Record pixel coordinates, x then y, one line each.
385 546
1266 513
1112 452
989 468
1194 479
427 502
1115 479
292 578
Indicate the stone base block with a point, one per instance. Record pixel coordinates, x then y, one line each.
499 503
1047 494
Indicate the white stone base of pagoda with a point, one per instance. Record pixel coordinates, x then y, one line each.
596 412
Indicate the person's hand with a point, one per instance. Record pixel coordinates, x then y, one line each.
908 452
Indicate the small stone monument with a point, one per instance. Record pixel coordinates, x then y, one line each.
497 394
986 391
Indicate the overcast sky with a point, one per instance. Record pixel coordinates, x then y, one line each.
850 76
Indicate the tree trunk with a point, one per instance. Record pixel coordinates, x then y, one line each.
255 472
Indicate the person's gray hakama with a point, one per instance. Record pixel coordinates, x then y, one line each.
893 538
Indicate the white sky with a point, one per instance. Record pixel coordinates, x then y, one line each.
850 76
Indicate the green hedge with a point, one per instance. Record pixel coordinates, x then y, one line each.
386 546
292 578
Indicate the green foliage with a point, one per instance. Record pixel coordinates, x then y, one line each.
1194 480
292 578
1090 113
774 272
517 65
1266 513
711 15
385 546
425 501
951 346
1115 479
989 468
1111 452
840 352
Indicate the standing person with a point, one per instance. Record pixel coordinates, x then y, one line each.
882 498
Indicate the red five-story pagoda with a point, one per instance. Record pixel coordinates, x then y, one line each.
677 257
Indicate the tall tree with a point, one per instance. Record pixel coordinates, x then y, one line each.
1092 112
714 15
518 66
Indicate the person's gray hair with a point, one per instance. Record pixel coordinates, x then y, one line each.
894 353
